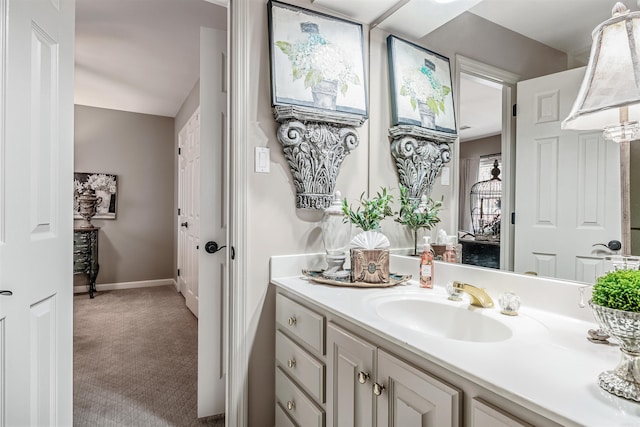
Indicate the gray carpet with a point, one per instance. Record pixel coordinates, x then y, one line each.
135 360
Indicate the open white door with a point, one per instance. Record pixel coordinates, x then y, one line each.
36 218
189 210
213 275
567 185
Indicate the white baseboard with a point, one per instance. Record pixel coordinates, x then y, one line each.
126 285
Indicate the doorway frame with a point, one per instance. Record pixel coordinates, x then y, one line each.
238 47
508 81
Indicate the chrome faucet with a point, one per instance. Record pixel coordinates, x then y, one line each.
479 296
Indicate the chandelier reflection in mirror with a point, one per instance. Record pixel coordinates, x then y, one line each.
486 197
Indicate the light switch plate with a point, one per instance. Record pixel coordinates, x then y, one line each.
444 177
262 159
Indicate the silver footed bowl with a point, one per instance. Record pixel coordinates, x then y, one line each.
623 327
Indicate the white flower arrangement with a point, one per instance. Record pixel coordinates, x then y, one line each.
420 85
96 181
316 59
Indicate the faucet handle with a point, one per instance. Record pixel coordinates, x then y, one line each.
509 303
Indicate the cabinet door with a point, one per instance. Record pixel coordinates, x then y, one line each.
350 362
484 415
409 397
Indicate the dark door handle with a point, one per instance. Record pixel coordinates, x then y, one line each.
613 245
212 247
185 224
7 293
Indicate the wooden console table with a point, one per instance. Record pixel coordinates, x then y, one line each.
85 255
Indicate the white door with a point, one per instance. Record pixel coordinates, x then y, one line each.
567 185
36 178
189 210
213 275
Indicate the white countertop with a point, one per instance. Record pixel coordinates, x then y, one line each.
547 365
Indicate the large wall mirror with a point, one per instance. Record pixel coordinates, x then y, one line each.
491 48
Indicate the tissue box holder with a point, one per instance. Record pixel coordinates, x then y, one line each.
370 265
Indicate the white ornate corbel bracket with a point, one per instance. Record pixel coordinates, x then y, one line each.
315 142
419 154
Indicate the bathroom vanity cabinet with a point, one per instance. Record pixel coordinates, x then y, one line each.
365 382
332 372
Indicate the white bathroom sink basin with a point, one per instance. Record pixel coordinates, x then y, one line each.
441 319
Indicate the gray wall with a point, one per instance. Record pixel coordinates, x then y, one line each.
481 147
276 227
476 38
139 149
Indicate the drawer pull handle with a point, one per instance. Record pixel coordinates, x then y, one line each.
291 405
378 389
363 377
292 320
291 363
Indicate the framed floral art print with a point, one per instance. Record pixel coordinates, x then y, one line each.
316 60
420 87
104 185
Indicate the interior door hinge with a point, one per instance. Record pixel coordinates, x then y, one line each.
513 218
178 272
514 110
179 211
179 151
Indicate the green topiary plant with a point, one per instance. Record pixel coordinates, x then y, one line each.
416 215
619 289
370 212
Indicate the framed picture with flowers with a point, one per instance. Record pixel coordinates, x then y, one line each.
317 60
420 82
103 185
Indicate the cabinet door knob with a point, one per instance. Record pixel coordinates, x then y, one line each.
291 363
291 405
363 377
292 320
378 389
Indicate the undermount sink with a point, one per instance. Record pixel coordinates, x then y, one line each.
440 319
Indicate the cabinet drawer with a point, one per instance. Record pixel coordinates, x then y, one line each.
282 419
80 265
301 366
299 407
80 238
300 322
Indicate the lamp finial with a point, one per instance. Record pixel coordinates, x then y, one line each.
619 9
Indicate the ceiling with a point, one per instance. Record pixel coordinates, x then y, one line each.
140 55
143 55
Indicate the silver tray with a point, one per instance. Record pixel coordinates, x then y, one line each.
316 276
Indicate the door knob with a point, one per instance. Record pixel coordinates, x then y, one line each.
613 245
378 389
363 377
212 247
185 224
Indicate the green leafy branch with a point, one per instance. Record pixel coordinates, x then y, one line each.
415 218
370 212
619 290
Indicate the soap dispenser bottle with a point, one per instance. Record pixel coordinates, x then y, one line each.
450 254
426 265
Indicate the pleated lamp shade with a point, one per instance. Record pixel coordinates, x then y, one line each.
612 79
